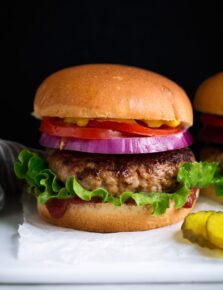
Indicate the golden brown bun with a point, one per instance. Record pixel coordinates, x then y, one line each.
210 192
107 218
209 96
112 91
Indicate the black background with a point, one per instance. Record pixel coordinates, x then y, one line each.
179 39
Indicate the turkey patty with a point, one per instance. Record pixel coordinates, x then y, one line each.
154 172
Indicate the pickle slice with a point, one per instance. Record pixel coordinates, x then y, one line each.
215 229
194 228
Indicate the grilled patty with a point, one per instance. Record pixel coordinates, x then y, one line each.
154 172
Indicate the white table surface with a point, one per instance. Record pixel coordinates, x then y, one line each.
9 221
190 286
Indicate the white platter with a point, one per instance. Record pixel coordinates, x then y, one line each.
13 270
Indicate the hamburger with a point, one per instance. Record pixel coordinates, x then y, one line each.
209 101
118 156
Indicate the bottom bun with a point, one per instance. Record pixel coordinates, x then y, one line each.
107 218
210 192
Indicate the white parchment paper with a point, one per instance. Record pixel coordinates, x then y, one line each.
40 241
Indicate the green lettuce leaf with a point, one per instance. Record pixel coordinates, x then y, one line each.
198 174
201 174
43 183
218 182
180 196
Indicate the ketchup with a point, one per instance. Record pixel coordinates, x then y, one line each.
191 198
57 207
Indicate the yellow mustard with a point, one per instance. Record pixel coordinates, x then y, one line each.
82 122
159 123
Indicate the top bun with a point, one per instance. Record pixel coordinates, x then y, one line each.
209 96
112 91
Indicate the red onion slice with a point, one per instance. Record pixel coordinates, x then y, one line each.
134 145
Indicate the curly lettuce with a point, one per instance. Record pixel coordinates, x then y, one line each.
44 184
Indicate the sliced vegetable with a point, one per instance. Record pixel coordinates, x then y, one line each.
204 228
130 145
215 229
101 129
212 120
56 127
194 228
134 128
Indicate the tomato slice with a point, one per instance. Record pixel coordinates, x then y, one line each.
100 130
133 128
56 127
212 120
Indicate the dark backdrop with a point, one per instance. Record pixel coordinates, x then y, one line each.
179 39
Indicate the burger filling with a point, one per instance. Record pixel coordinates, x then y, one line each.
107 128
143 180
154 172
82 122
